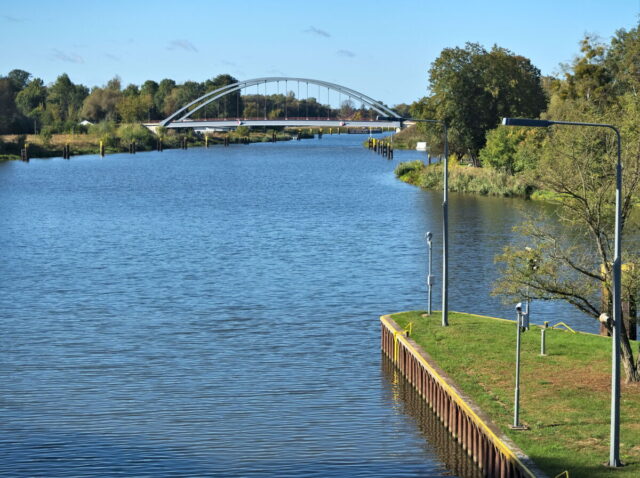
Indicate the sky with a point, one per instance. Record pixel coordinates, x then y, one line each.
380 48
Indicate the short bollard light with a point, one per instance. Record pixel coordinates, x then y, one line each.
428 236
522 325
543 351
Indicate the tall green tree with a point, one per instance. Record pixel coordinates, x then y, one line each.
230 105
64 99
19 79
9 114
101 104
578 165
31 101
165 88
471 88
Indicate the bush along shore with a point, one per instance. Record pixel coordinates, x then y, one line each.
465 179
564 395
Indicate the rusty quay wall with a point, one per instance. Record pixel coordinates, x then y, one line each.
493 453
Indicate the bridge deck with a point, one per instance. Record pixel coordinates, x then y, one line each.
290 122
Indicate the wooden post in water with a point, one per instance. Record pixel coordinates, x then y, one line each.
101 150
24 153
206 140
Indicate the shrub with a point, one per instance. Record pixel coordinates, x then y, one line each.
408 167
136 132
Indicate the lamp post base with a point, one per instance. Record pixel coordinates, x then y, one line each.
518 427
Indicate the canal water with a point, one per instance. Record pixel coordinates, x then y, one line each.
214 312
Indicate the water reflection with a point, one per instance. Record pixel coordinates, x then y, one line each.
438 438
479 229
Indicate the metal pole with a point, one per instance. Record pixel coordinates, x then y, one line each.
516 408
445 215
445 232
429 277
614 452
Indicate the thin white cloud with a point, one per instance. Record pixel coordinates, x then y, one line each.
318 32
346 53
185 45
9 18
66 57
112 57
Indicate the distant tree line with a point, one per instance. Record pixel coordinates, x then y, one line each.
27 105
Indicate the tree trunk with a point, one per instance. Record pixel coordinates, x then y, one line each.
630 367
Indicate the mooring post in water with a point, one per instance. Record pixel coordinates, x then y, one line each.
24 153
206 140
101 150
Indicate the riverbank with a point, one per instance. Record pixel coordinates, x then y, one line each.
89 143
79 144
565 395
466 179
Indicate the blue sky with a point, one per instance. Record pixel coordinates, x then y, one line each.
381 48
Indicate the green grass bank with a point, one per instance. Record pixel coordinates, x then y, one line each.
564 396
465 179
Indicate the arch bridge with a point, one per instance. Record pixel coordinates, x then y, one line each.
185 117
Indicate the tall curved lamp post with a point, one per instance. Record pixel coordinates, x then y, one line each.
445 213
614 451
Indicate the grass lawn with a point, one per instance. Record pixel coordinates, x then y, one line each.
565 396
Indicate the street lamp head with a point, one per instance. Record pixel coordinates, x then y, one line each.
534 123
428 236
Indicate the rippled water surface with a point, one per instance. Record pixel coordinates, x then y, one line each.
215 311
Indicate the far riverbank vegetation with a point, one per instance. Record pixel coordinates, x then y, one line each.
48 117
574 167
472 89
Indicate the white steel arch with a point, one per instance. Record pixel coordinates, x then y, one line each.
185 112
